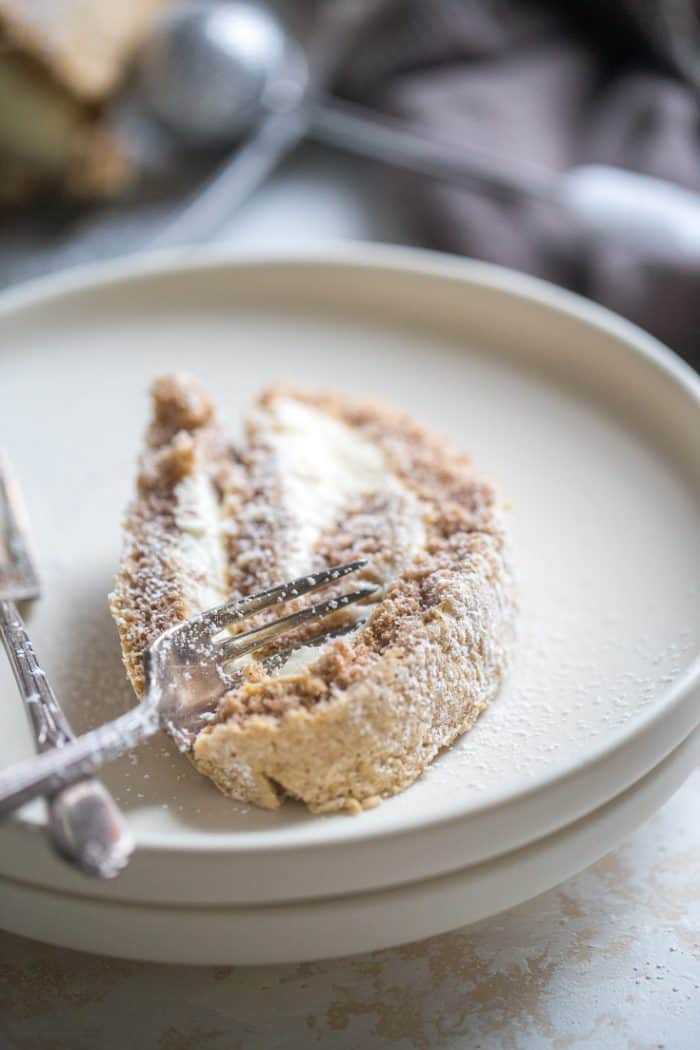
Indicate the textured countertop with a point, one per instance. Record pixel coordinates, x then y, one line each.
608 960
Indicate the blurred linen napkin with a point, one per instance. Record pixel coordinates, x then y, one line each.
547 81
558 84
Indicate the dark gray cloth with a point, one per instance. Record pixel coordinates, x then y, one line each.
559 85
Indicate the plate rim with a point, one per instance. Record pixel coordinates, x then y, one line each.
617 817
94 277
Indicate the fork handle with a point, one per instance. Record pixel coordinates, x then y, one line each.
85 824
48 722
82 757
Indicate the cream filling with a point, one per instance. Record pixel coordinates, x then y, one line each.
325 466
202 533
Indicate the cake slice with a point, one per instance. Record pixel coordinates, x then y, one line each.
322 478
60 60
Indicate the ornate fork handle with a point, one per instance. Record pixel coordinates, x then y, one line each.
186 673
54 770
85 823
50 726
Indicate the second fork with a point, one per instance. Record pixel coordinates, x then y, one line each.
85 825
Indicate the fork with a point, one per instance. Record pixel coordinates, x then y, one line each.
186 673
85 825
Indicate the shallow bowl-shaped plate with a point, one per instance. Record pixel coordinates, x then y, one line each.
302 930
591 429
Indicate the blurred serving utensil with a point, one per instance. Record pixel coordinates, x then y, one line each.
212 73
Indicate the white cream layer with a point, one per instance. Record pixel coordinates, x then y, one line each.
202 531
325 466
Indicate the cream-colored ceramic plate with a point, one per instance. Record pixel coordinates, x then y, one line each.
591 428
319 929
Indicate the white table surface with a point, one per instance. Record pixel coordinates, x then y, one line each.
609 960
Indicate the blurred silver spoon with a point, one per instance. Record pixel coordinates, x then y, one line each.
211 74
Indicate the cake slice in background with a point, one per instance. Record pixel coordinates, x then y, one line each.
60 61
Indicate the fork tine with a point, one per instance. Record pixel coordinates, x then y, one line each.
193 719
271 663
241 644
19 577
223 615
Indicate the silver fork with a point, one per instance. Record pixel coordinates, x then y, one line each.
85 825
187 674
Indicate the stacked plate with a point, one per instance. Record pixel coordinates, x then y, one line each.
590 427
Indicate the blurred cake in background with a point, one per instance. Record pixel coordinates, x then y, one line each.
60 61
